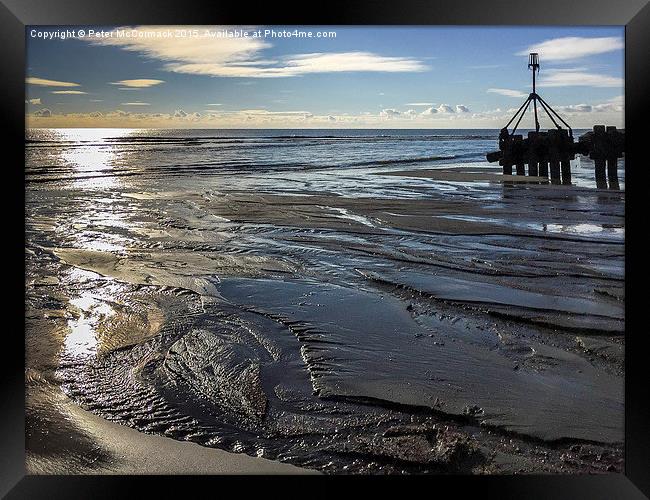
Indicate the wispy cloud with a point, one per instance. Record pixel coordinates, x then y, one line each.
69 92
303 64
508 92
138 83
32 80
241 57
136 103
571 78
34 101
573 47
419 104
213 104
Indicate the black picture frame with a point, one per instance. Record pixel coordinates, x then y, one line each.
16 14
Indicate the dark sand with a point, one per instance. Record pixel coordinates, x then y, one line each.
466 175
62 438
468 333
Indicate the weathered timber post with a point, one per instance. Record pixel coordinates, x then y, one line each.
518 153
566 155
616 146
554 147
566 171
612 168
503 156
601 179
543 169
599 154
533 157
555 171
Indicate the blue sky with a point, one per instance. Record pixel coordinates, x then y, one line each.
438 77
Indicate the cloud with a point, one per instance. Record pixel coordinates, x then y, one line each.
96 100
138 83
35 101
260 112
508 92
615 104
49 83
351 61
460 108
444 108
430 111
578 115
577 108
69 92
389 113
214 104
302 64
572 78
241 57
135 103
44 113
573 47
419 104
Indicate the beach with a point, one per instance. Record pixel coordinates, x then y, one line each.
79 442
380 302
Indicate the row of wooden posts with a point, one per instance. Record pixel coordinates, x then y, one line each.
551 152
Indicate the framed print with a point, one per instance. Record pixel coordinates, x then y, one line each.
361 242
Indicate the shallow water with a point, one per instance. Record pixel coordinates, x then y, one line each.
275 293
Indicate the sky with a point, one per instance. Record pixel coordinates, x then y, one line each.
340 77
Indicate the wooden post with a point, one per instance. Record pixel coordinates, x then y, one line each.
601 182
555 171
507 169
532 169
566 171
612 168
543 169
521 169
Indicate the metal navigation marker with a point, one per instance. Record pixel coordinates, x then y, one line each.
534 97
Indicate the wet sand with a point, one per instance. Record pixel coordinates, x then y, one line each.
415 321
62 438
466 175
